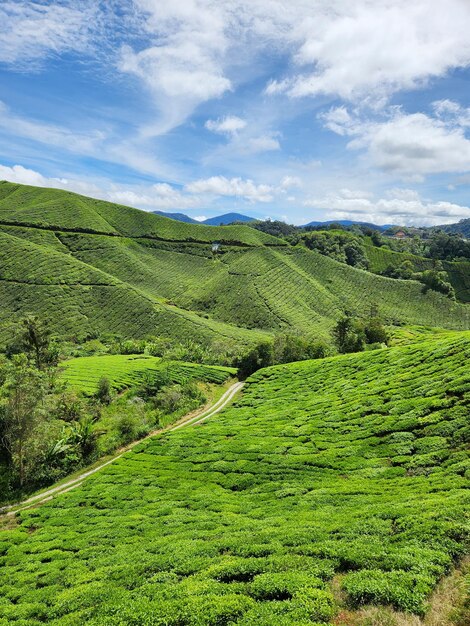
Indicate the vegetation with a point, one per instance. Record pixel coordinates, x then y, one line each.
347 471
124 371
92 267
56 419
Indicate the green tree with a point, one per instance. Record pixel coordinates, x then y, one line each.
348 334
261 355
33 336
103 391
21 397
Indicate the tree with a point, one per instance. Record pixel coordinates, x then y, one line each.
103 392
21 397
348 334
34 338
261 355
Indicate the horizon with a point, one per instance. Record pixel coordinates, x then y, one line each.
325 111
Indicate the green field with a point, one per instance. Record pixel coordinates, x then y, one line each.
93 267
347 472
125 371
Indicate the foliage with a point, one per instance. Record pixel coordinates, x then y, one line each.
339 245
434 279
103 390
20 404
355 465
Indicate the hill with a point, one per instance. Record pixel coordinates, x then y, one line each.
228 218
180 217
344 473
94 267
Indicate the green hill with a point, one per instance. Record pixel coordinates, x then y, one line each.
349 472
96 267
128 370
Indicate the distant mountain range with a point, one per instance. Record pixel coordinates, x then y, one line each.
180 217
229 218
219 220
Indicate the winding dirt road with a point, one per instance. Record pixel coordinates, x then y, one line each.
188 420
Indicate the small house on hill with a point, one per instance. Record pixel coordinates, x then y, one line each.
400 234
215 246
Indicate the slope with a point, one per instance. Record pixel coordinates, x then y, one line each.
64 210
81 300
349 471
152 278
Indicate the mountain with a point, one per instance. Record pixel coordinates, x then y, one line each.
350 223
96 267
180 217
228 218
328 484
219 220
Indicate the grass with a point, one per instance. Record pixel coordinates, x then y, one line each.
94 267
124 371
353 467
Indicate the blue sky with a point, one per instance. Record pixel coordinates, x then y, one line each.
290 109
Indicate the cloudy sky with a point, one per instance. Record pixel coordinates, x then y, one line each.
291 109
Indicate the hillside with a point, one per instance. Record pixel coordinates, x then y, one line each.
139 274
128 370
345 473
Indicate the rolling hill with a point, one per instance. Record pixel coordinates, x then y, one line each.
335 481
93 267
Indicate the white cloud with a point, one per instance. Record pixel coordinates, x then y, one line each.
264 143
362 51
159 196
200 218
228 125
370 49
410 145
33 31
400 206
237 187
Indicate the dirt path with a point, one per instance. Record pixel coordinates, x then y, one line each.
188 420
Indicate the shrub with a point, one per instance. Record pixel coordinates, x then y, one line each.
405 591
282 585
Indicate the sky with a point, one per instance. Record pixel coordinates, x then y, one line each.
297 110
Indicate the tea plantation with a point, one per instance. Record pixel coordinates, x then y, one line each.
93 267
349 472
124 371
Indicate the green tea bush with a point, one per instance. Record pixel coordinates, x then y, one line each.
403 590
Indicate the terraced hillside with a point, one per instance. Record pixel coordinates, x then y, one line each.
346 473
127 370
94 267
